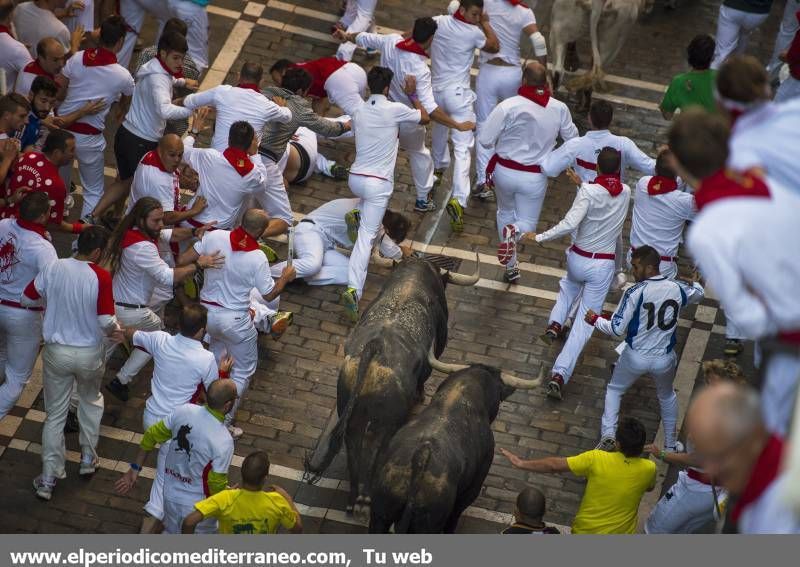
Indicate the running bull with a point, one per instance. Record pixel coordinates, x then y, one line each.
384 370
435 465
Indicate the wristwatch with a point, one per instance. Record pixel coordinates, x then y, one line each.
135 467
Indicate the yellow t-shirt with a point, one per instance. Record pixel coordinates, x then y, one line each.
616 485
248 512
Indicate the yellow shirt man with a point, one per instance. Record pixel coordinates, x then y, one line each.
241 511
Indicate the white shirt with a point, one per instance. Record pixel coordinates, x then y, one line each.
33 24
26 77
13 58
647 315
152 180
597 216
524 131
222 186
210 448
329 221
402 63
507 21
152 102
180 365
658 220
376 125
141 268
234 104
453 51
23 254
771 513
582 152
230 285
106 82
79 302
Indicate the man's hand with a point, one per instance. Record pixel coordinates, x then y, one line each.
75 38
289 273
213 261
573 176
126 482
199 118
783 56
72 10
407 251
201 230
340 35
199 204
93 107
526 236
652 449
9 149
410 85
590 317
226 364
118 335
513 459
279 100
466 126
484 18
191 84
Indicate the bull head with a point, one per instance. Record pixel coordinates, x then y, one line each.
507 378
461 279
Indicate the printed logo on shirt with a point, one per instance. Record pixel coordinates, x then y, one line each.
179 476
8 258
182 439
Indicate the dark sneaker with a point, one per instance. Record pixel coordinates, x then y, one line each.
483 192
339 172
456 212
554 387
607 444
733 347
279 323
119 390
508 245
424 206
511 275
350 301
71 425
552 333
44 487
353 221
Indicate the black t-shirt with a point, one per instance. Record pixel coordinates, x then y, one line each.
524 529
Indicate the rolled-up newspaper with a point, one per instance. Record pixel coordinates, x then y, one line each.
290 250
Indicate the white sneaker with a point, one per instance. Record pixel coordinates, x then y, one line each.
677 448
88 465
607 443
44 486
236 432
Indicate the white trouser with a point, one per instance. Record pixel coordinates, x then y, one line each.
789 27
62 365
155 506
593 277
134 12
275 199
520 195
459 103
196 17
315 259
494 84
630 366
20 335
732 331
358 17
143 319
686 507
83 17
374 195
781 376
346 87
232 332
733 30
89 151
175 512
412 140
789 89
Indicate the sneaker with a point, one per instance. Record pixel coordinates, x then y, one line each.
279 323
424 206
236 432
456 212
44 487
71 425
339 172
371 52
350 302
552 332
483 192
271 255
733 347
607 444
119 390
88 465
676 448
508 245
554 387
69 202
353 220
511 275
89 219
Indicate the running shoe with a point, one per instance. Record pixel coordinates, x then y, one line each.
456 212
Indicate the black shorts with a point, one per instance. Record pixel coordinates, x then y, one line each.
129 149
305 163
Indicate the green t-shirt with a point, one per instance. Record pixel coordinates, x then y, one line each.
695 88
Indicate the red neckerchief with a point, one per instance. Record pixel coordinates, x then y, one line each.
539 95
135 236
239 160
153 159
727 183
517 3
764 473
241 241
411 46
457 15
34 68
98 57
4 29
658 185
177 74
251 86
39 229
611 183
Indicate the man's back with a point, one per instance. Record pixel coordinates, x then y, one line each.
241 511
659 216
507 21
693 88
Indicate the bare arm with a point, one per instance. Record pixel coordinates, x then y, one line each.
492 44
546 465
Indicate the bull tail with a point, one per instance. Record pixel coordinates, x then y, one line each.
329 445
418 465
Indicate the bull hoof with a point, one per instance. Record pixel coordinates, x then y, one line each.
571 60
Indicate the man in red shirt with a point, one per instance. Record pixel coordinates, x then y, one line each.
340 82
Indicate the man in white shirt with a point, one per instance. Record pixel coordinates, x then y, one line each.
743 240
138 268
13 54
522 130
48 63
226 294
36 20
182 369
660 214
405 58
95 74
452 53
647 318
241 102
498 74
24 250
78 315
596 219
736 21
134 12
376 125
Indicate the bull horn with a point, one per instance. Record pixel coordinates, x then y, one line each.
461 279
443 367
521 384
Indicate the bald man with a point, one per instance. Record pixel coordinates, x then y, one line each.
740 454
48 63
